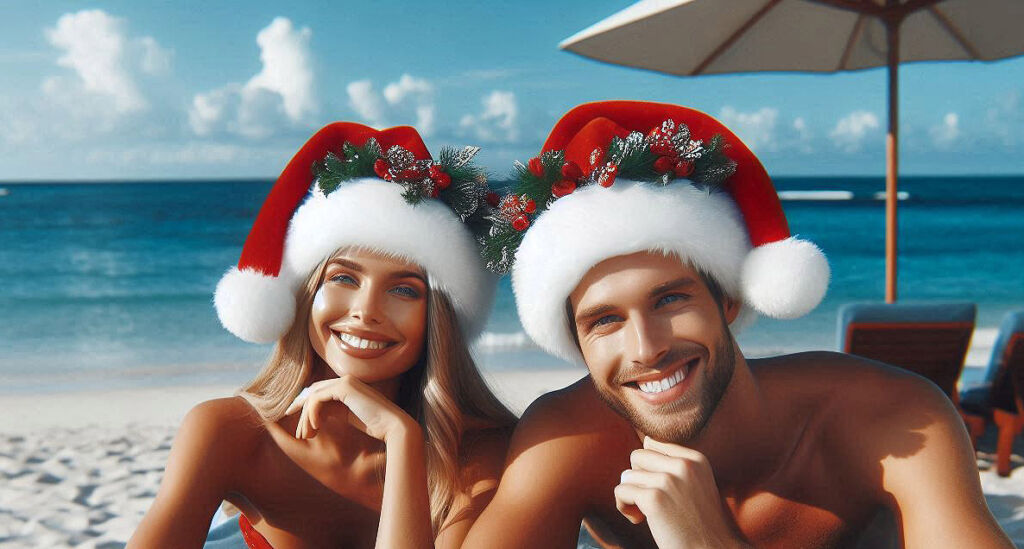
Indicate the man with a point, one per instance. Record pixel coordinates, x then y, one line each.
639 267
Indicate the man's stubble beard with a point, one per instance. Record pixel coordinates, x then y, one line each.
716 375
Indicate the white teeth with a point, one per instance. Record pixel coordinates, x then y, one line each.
360 343
664 384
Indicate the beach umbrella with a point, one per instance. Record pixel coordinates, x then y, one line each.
694 37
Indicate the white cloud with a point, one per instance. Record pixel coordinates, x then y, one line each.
409 100
497 122
946 133
105 60
851 131
106 82
756 129
804 136
281 95
366 102
287 68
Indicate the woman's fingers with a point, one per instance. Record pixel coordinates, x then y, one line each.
313 407
299 399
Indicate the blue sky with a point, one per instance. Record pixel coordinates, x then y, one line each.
128 90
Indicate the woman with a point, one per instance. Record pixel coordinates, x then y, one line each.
371 288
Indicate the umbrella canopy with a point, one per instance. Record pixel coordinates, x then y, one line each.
693 37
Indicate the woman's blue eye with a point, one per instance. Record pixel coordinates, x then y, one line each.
343 279
405 291
670 298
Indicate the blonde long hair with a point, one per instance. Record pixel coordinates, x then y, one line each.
441 391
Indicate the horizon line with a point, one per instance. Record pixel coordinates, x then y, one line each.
263 179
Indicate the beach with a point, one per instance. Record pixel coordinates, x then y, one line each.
81 468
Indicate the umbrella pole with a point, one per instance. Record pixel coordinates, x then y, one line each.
892 160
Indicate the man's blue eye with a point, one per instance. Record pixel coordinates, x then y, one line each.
670 298
405 291
604 320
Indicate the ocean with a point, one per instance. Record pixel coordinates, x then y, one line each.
110 284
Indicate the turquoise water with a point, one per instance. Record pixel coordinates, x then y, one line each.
110 284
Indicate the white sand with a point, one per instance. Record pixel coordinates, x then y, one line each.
80 469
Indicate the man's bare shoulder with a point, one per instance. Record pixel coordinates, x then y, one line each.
568 427
868 409
838 378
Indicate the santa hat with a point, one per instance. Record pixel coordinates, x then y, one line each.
611 180
375 189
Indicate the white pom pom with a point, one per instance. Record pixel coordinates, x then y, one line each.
785 279
255 307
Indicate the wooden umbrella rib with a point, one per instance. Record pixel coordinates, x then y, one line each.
735 36
849 5
854 36
954 31
913 5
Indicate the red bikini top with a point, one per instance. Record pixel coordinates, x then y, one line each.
253 539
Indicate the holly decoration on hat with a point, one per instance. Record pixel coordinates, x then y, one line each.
451 178
665 154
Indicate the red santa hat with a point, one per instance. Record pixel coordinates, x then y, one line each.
611 181
374 189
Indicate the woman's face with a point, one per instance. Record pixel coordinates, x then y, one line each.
369 315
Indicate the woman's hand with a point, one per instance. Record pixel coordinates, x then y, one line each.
369 411
405 504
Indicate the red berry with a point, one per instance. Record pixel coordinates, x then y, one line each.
664 164
530 207
536 167
411 174
512 201
380 167
442 180
520 223
493 199
683 168
562 188
663 148
435 171
607 179
571 171
611 168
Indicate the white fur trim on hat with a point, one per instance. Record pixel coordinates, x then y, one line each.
255 307
785 279
368 213
595 223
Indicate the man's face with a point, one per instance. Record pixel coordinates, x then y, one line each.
656 342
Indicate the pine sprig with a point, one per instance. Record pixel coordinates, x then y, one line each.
666 154
713 168
635 162
453 179
498 246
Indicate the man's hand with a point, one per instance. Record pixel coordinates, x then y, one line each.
673 489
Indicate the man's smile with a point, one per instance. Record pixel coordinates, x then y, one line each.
665 385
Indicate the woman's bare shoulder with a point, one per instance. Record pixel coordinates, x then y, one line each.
229 426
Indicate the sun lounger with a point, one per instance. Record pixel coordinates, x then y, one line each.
925 338
999 397
929 339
